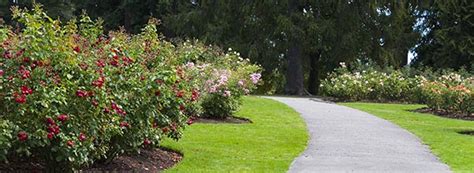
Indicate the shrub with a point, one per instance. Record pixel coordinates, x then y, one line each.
451 92
367 85
72 96
225 78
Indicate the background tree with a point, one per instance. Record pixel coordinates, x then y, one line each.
299 41
448 40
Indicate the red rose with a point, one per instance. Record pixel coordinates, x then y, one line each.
157 93
21 99
24 74
182 108
121 112
22 136
95 103
25 90
114 63
99 82
77 49
81 93
106 110
173 127
146 141
50 135
124 124
194 95
50 121
7 55
26 60
100 63
63 118
159 81
70 143
115 106
190 121
83 66
2 72
165 129
54 129
82 137
180 94
126 60
20 52
38 63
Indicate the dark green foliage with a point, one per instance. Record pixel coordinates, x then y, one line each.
299 41
449 35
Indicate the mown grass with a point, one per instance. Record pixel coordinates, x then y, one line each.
277 135
440 134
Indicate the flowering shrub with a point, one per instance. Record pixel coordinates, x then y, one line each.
72 96
368 85
451 92
224 78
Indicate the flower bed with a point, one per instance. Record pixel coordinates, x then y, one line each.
450 92
72 96
226 78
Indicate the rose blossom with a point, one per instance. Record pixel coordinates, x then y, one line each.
70 143
212 89
190 64
226 93
255 77
82 137
63 118
241 82
22 136
146 141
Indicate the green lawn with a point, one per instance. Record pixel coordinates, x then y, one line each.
439 133
276 136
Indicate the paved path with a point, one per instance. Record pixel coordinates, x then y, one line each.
343 139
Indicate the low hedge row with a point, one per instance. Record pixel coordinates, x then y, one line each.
450 92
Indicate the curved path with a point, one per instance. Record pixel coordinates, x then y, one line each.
343 139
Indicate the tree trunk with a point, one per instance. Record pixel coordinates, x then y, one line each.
294 72
127 17
404 56
313 79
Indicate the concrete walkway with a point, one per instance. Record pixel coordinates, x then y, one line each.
343 139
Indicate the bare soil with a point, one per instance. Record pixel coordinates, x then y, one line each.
148 160
229 120
447 114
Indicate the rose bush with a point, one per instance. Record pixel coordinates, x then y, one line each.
225 78
72 96
369 85
450 92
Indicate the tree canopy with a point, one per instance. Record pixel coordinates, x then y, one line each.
299 41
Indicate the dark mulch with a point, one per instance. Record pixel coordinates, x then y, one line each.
447 114
467 132
149 160
229 120
20 164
